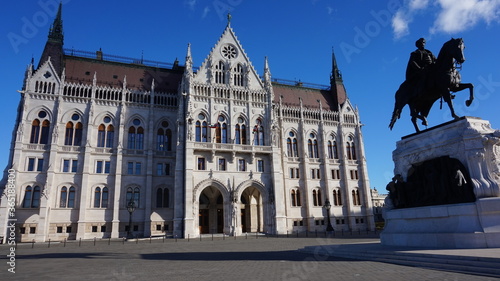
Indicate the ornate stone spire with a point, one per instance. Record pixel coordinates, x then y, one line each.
267 73
189 59
56 30
54 46
337 84
228 18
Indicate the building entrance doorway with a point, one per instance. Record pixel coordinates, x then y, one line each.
252 218
211 211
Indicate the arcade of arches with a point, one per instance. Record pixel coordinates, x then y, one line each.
217 214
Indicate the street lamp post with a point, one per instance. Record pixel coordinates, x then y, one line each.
130 209
329 226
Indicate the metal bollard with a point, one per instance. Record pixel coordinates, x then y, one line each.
94 241
49 244
33 243
64 242
80 242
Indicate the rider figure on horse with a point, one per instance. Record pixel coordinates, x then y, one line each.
418 65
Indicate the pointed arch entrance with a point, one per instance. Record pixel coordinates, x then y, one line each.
211 211
252 211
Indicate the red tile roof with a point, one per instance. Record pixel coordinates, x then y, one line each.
139 77
291 96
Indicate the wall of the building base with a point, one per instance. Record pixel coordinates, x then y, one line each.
181 228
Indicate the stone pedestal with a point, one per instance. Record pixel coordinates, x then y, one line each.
465 225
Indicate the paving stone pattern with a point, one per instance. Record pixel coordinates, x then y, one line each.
250 258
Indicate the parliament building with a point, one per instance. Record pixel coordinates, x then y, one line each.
215 148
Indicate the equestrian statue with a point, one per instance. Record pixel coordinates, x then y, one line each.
429 79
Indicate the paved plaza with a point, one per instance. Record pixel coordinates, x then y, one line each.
218 258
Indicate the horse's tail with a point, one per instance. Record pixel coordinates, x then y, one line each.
395 116
397 108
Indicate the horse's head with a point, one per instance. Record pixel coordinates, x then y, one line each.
453 49
457 50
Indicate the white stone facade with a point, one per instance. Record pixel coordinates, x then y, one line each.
220 154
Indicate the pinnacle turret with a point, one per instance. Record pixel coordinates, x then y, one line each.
54 46
336 83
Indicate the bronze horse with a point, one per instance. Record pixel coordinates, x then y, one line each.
441 79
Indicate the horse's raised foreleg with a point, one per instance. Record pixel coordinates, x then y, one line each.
469 86
463 86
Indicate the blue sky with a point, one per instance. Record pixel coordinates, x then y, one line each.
372 42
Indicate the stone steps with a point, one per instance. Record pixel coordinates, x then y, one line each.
488 266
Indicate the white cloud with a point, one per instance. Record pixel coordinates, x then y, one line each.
400 24
404 16
452 15
457 16
418 4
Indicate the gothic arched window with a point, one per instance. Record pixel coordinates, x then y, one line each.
240 132
220 73
136 135
73 134
201 128
31 197
258 131
164 137
40 129
101 197
292 148
105 134
162 198
67 199
238 75
221 130
295 193
332 148
351 148
337 199
317 198
133 194
312 146
355 198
